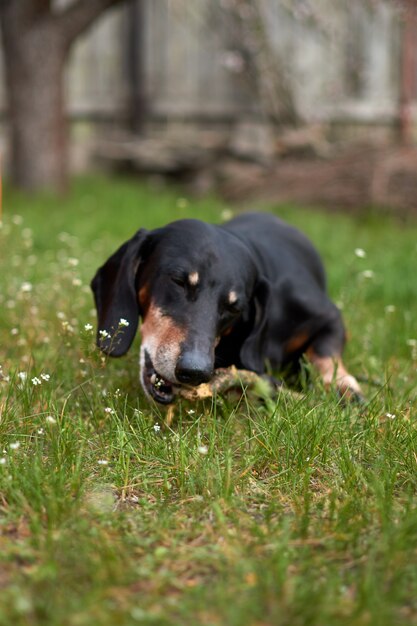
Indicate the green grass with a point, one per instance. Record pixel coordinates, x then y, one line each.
296 512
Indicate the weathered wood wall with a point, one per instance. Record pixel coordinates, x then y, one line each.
341 59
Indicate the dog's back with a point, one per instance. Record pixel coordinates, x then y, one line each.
279 248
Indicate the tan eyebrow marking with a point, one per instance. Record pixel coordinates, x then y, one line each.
193 278
232 297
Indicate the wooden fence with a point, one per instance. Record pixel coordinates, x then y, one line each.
341 60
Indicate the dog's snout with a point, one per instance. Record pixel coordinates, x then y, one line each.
193 369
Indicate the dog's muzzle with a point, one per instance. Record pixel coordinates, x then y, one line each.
157 387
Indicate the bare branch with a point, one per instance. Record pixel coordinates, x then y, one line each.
80 15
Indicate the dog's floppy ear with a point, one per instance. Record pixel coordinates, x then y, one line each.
116 298
252 352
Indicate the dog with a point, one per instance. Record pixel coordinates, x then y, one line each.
246 293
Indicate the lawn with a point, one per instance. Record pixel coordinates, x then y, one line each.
290 512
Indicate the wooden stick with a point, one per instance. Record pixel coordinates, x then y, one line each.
223 380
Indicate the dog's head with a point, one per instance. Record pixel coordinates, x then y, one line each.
192 284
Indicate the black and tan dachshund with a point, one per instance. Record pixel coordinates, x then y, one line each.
245 293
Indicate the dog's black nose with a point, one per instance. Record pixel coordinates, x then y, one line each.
193 369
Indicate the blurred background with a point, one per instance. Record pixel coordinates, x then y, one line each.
311 101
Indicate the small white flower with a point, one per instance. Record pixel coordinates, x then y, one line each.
368 273
41 431
22 376
88 327
77 282
391 416
14 331
182 203
226 215
102 462
191 412
36 381
109 410
360 253
202 450
156 428
26 287
3 461
45 377
411 342
15 445
104 334
390 308
73 262
17 219
50 419
123 322
61 315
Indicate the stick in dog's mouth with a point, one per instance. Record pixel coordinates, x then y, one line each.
160 389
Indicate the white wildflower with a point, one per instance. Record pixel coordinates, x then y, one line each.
3 461
45 377
123 322
41 431
226 215
73 262
390 308
202 450
104 334
182 203
22 376
360 253
391 416
14 331
368 274
102 462
88 327
50 419
36 381
109 410
15 445
26 287
156 428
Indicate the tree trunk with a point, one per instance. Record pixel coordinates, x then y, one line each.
36 41
34 72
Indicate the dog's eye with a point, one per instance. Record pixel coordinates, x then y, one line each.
179 280
233 308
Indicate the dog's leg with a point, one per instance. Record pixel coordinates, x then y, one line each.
325 355
333 372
